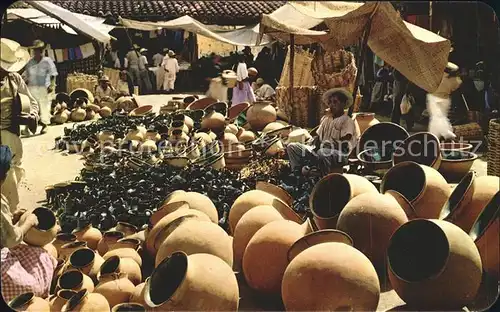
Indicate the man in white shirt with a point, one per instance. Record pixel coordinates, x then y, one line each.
145 86
171 67
158 69
132 58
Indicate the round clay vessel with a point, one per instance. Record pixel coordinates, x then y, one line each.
229 139
125 248
45 231
454 169
153 135
325 274
138 294
205 138
134 134
89 234
67 249
180 278
404 203
193 236
459 199
115 287
365 121
63 238
86 261
86 302
246 136
450 279
105 111
196 201
427 191
259 114
75 280
148 146
57 301
326 204
275 191
168 208
422 148
108 239
127 266
29 302
126 228
128 307
214 121
231 128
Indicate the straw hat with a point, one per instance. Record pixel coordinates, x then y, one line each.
38 44
252 71
104 78
171 53
333 91
13 56
451 68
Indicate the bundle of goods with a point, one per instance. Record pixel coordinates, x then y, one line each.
79 80
303 109
334 70
494 148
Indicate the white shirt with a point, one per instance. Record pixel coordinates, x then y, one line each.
332 129
143 61
133 58
11 235
264 91
157 59
171 65
242 72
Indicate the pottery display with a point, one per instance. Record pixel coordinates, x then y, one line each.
29 302
455 165
75 280
85 301
115 287
180 278
142 110
330 195
427 191
78 114
231 128
364 121
67 249
246 136
459 199
422 148
449 279
325 273
192 237
108 239
58 300
106 136
88 234
86 261
126 228
125 248
45 231
298 136
105 111
196 201
259 114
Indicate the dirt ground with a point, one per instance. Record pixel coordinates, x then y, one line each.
45 166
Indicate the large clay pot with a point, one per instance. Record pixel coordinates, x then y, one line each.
61 239
229 139
126 228
78 114
214 121
138 294
459 198
246 136
29 302
58 271
148 146
61 117
108 239
45 231
275 190
126 266
67 249
196 201
231 128
330 195
75 280
105 111
180 278
427 190
88 234
153 135
449 279
205 138
168 208
188 121
57 301
86 302
364 121
422 148
86 261
369 218
193 236
325 274
259 114
115 287
125 248
128 307
265 257
486 234
403 203
456 165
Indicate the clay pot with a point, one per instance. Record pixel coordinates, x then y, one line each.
153 135
138 295
326 205
127 266
246 136
201 103
61 266
125 248
134 134
75 280
178 137
115 287
126 228
180 278
105 111
274 147
196 201
229 139
455 169
403 203
275 190
88 234
148 146
447 147
214 121
269 245
427 191
178 125
273 126
142 110
449 279
106 136
87 302
323 263
188 121
459 199
45 231
29 302
205 138
109 238
51 250
67 249
86 261
59 300
368 218
486 234
364 121
78 114
128 307
61 117
231 128
259 114
422 148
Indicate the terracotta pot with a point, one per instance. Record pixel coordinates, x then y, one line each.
346 186
364 121
229 139
325 262
196 201
29 302
422 148
88 234
141 235
404 203
236 110
127 266
170 205
86 261
61 117
75 280
87 302
67 249
265 257
449 279
447 147
125 248
61 266
214 121
427 191
115 287
298 136
259 114
455 169
486 234
134 134
371 217
246 136
201 103
273 126
180 278
205 138
51 250
57 301
126 228
231 128
188 121
153 136
108 239
45 231
105 111
106 136
138 294
128 307
142 110
275 190
78 114
459 198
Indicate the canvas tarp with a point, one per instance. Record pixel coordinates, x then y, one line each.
245 36
417 53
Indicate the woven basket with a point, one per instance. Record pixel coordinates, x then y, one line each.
334 70
494 148
469 131
78 80
302 110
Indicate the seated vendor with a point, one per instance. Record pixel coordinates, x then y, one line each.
262 90
24 268
104 92
124 86
335 141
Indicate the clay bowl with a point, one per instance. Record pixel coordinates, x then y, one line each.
244 154
455 146
201 103
384 134
142 110
422 148
236 110
455 165
372 162
178 162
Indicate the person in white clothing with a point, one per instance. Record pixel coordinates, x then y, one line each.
171 67
262 90
243 91
158 69
145 86
132 65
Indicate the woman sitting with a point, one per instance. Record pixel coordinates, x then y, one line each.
263 91
24 268
335 141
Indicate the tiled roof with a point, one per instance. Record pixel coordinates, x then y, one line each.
207 12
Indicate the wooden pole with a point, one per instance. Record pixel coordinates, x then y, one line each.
291 63
430 15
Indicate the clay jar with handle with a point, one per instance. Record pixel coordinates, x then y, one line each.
57 301
447 279
325 273
127 266
86 302
265 257
108 239
45 231
86 261
61 239
180 278
259 114
29 302
75 280
196 201
88 234
370 218
427 190
365 121
125 248
193 236
330 195
115 287
67 249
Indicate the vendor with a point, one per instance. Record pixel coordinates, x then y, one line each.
104 92
335 141
24 268
171 67
263 91
124 86
242 92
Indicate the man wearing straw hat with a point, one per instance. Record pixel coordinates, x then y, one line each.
13 59
40 76
104 92
171 67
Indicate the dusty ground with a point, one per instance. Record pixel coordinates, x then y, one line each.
45 166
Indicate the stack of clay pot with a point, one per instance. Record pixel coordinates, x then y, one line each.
236 153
